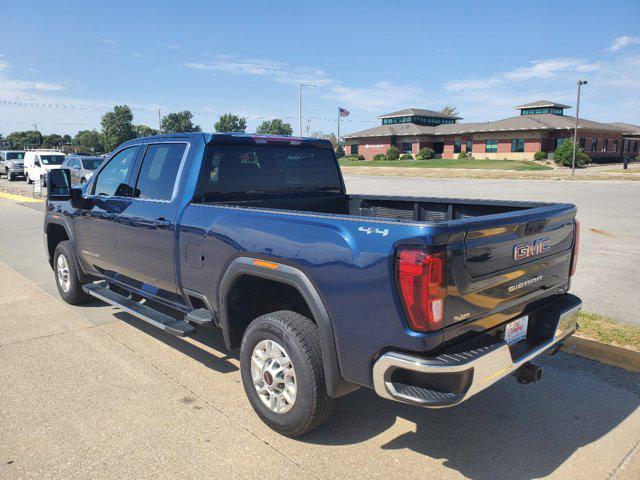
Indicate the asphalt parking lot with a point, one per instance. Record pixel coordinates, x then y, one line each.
90 392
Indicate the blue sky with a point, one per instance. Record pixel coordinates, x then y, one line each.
370 57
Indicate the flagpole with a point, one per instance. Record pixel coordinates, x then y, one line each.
338 128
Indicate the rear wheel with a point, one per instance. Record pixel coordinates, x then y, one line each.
283 374
29 181
67 275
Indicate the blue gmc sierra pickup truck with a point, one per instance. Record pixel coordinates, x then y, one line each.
426 300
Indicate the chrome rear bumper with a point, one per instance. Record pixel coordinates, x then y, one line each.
450 379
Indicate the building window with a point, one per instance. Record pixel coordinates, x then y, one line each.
354 149
615 145
559 141
517 145
605 144
635 146
582 142
491 146
457 146
538 111
406 147
469 146
594 144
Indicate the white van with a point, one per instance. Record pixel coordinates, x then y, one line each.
38 162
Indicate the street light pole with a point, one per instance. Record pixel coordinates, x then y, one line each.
575 131
300 105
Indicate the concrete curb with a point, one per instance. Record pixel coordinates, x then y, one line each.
603 353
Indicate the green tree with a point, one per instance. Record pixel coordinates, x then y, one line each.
393 153
275 127
231 123
449 110
179 122
117 127
66 140
144 131
50 141
89 140
564 155
24 139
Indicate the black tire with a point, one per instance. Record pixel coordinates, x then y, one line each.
29 181
83 181
73 295
10 177
300 338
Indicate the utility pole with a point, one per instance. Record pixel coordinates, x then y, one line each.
159 121
575 131
300 105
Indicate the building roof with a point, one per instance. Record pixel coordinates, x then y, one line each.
629 128
543 121
541 103
418 112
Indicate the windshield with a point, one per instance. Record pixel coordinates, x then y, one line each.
256 169
15 155
91 163
52 159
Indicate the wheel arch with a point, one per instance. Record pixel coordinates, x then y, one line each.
293 277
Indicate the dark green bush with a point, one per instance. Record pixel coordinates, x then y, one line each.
380 157
426 153
540 155
564 155
462 155
406 156
393 153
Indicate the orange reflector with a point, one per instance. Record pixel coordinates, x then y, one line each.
265 264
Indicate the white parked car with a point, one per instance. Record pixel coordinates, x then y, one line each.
38 162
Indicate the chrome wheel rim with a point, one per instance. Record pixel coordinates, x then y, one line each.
273 376
62 268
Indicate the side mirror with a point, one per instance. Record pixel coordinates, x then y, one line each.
59 184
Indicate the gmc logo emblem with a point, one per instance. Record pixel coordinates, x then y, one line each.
529 249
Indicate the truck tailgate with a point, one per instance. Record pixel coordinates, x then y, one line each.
510 260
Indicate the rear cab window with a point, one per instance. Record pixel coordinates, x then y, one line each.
231 170
158 174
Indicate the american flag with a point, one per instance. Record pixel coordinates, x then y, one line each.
343 112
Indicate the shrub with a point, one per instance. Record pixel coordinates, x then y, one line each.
462 155
380 157
564 155
540 155
393 153
406 156
426 153
353 157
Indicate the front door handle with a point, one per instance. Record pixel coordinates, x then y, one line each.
149 222
162 222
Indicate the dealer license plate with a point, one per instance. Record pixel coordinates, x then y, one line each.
516 330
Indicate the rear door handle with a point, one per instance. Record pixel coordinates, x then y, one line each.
162 222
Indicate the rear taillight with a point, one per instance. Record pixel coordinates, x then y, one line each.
576 247
422 286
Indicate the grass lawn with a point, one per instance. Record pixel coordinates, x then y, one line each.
453 163
607 330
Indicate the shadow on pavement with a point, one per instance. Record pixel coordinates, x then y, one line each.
205 336
508 431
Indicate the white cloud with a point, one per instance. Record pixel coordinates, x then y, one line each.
10 86
381 95
378 97
109 41
276 71
624 41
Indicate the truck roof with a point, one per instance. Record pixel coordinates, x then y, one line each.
233 137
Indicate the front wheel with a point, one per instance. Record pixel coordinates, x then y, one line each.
282 372
10 177
29 181
66 270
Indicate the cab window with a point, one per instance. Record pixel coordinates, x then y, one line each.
159 171
115 173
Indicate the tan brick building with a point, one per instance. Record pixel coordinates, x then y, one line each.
541 125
